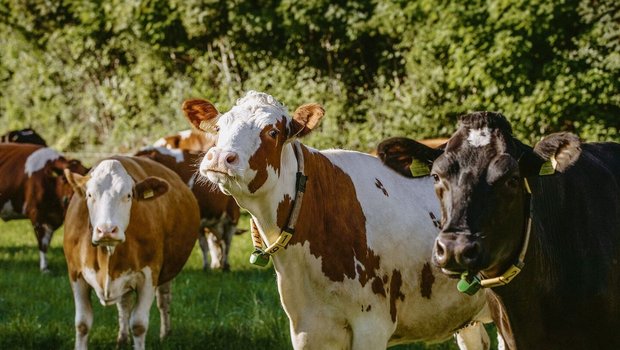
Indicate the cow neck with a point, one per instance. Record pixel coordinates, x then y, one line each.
470 285
261 256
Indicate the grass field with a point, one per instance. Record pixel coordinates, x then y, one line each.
210 310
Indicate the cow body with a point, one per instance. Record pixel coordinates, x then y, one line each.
356 272
219 213
566 295
27 135
191 140
34 188
141 246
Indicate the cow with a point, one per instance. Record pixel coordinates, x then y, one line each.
33 187
350 249
219 213
191 140
131 227
541 226
27 135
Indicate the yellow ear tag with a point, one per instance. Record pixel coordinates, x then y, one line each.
548 167
419 168
148 194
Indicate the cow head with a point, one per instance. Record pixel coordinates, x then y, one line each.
479 179
110 192
246 158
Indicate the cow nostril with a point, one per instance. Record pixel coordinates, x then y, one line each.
115 229
471 253
231 158
209 155
99 230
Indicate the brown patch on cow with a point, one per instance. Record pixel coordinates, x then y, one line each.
426 281
268 154
395 292
335 228
380 186
284 211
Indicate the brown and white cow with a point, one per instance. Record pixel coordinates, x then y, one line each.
219 213
131 228
34 187
191 140
356 271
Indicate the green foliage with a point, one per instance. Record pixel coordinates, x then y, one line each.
111 75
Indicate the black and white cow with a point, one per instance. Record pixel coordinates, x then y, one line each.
567 295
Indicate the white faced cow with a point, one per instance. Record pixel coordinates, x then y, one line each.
351 245
125 232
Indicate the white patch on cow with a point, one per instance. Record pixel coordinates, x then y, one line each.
47 236
37 160
479 137
161 143
42 261
177 154
110 291
8 212
185 134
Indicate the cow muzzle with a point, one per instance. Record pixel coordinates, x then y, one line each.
107 235
457 252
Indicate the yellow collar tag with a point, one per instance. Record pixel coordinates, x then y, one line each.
548 167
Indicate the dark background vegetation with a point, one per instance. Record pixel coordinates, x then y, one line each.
111 75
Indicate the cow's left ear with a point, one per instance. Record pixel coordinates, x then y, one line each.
305 119
202 114
150 188
555 153
76 181
407 157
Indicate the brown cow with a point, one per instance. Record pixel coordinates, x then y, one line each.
191 140
33 187
124 232
219 213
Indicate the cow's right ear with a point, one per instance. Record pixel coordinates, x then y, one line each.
150 188
77 181
407 157
202 114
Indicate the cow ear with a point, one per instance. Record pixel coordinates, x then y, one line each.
559 150
77 181
150 188
201 114
407 157
305 119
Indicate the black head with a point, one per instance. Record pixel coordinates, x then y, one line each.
480 184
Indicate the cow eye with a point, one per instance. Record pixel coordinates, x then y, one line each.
89 195
129 196
273 133
512 181
435 177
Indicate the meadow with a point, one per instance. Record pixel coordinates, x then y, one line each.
239 309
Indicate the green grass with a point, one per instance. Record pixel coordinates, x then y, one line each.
210 310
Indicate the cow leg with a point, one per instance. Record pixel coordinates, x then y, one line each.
43 232
229 232
124 311
164 297
139 321
216 248
204 246
83 312
473 337
320 333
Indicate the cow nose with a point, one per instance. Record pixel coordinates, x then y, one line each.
444 252
106 231
467 254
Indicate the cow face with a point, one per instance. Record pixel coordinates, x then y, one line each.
479 180
246 158
110 192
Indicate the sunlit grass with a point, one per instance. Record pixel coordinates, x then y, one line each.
210 310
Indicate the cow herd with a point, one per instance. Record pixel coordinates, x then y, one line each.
414 244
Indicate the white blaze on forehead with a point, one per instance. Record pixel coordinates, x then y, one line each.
172 152
259 107
110 175
37 160
479 137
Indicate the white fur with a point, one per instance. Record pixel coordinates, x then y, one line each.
107 197
37 160
479 137
172 152
327 314
185 134
161 143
